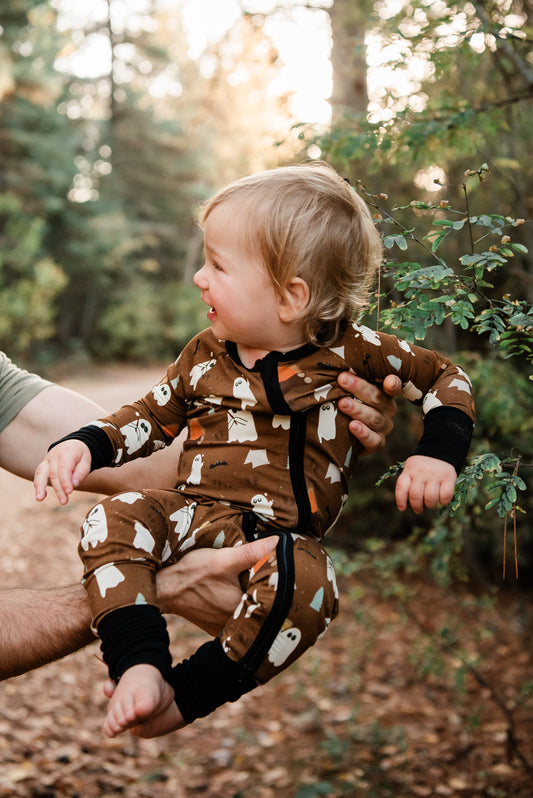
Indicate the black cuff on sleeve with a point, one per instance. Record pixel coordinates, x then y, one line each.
447 436
207 680
96 440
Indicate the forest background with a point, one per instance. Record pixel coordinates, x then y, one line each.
430 118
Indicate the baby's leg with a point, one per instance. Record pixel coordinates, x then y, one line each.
124 542
121 547
289 601
142 695
266 647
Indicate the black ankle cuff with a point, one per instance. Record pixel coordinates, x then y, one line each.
207 680
133 636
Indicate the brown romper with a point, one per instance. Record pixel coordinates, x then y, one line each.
267 452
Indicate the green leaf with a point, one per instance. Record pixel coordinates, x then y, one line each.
399 240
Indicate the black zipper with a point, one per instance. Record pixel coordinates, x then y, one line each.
296 470
279 610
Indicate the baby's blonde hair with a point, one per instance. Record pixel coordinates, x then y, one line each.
306 221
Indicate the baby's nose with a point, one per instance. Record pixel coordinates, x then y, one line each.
198 278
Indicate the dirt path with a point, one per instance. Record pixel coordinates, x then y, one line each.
381 707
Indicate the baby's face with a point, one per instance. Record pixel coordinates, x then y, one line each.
243 302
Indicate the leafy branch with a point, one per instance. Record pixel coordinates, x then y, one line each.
460 293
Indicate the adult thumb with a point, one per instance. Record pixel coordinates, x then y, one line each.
249 554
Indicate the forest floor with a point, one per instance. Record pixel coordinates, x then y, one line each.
425 695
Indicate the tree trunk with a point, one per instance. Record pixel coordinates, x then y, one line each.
348 56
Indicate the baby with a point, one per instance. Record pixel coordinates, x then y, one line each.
290 255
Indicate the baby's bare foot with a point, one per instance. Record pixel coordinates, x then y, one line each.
169 720
140 695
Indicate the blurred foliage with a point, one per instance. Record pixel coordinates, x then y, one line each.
495 332
148 323
450 126
29 279
115 165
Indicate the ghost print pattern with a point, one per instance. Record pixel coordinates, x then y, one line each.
95 533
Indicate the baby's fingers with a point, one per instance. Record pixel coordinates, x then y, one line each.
40 480
82 470
446 490
431 495
410 489
402 490
59 478
62 485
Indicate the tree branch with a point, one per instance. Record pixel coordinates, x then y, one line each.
450 647
504 45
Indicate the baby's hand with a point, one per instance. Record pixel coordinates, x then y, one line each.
425 482
66 466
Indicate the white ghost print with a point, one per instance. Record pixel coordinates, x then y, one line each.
257 457
464 375
143 538
283 646
190 542
108 576
330 570
161 393
128 498
321 392
326 422
367 334
238 609
242 391
241 426
281 421
136 433
430 401
198 371
406 347
411 392
94 529
167 551
195 477
395 362
461 385
218 542
252 605
262 506
333 473
100 424
183 519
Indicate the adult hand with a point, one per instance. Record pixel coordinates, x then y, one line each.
204 587
372 410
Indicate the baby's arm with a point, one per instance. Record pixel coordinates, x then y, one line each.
425 482
65 466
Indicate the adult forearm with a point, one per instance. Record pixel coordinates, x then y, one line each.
55 412
40 625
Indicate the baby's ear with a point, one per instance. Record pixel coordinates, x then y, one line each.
294 299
